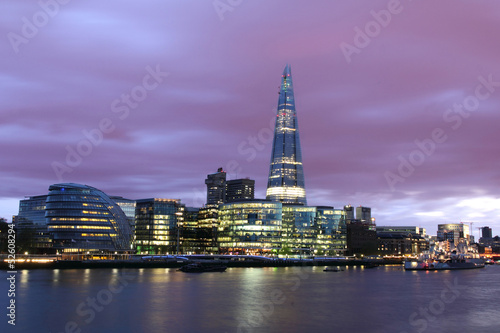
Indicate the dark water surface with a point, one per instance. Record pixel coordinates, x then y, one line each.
293 299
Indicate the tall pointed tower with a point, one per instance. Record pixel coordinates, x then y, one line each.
286 175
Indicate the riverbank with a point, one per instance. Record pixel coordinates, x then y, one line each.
179 261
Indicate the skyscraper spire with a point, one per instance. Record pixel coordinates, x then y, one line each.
286 175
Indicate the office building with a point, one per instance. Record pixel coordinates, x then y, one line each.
349 213
364 214
207 228
81 219
361 238
286 174
188 235
216 187
128 207
453 232
299 229
250 227
331 231
157 225
486 232
31 226
240 189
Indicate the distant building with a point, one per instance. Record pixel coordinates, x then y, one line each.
216 187
453 232
401 240
394 244
32 232
81 219
364 214
240 189
349 213
157 223
250 227
488 243
486 232
402 230
361 238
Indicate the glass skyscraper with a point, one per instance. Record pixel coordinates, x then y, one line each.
286 174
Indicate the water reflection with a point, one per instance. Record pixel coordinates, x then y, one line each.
264 299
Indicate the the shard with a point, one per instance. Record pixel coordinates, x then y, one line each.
286 174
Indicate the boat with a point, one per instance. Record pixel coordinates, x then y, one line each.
463 255
445 262
202 268
333 269
441 265
370 265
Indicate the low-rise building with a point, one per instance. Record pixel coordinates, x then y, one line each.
250 227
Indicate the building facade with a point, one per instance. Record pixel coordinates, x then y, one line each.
157 225
31 226
81 219
240 189
453 232
299 230
216 187
286 174
331 231
364 214
207 229
361 238
250 227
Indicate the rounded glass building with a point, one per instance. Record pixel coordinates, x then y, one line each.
81 218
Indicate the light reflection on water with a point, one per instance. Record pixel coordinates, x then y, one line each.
291 299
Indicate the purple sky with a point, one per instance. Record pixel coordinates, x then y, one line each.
360 110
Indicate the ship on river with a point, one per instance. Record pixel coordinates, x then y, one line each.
462 257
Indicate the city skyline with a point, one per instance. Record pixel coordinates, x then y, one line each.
201 96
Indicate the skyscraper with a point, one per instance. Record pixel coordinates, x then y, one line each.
286 175
216 187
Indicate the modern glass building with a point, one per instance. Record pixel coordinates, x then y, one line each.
32 231
286 174
157 225
128 207
188 241
250 227
82 219
331 230
299 229
207 228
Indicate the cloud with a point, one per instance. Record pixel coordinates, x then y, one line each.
355 119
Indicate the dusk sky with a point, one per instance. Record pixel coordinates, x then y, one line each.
397 102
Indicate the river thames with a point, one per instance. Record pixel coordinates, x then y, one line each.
287 299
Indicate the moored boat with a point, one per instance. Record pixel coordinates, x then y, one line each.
333 269
202 268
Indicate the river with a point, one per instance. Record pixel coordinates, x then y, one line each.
287 299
